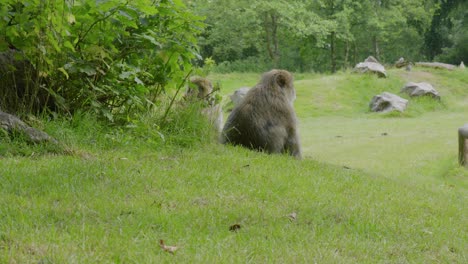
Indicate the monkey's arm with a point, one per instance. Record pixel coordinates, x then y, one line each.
293 145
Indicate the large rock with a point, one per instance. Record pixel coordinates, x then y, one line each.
371 59
462 65
386 102
11 123
371 65
420 89
400 63
238 95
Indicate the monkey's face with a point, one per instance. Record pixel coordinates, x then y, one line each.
292 96
196 91
190 93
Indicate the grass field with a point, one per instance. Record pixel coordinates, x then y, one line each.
373 188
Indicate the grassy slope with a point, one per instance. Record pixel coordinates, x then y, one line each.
114 206
421 143
403 200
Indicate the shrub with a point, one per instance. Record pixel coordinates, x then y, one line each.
112 57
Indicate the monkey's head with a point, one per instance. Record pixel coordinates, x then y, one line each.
280 81
198 87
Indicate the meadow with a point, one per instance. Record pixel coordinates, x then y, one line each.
372 188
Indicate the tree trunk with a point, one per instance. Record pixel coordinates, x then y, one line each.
355 54
332 52
271 37
463 145
346 55
376 48
274 20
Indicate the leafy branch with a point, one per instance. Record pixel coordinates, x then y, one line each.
81 37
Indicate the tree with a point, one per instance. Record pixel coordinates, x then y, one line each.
446 40
335 18
314 35
389 29
239 29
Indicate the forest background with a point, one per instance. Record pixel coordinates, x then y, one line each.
119 58
330 35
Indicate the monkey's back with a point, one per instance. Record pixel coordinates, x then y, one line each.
263 121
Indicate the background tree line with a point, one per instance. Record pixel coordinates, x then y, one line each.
118 58
327 35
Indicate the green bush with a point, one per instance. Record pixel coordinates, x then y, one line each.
114 57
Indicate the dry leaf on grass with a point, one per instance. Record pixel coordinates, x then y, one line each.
170 249
234 227
292 216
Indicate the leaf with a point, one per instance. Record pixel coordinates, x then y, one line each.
292 216
67 44
151 39
125 75
170 249
145 8
137 80
108 115
87 69
61 69
125 14
71 19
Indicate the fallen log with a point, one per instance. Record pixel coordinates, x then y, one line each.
437 65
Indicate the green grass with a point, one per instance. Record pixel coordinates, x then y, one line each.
115 206
372 188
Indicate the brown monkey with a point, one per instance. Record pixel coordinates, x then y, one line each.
201 88
265 119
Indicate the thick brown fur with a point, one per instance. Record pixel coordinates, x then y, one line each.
203 88
265 120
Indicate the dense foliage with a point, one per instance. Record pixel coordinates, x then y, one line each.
447 37
110 57
327 35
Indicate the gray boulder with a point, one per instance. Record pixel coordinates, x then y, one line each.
462 65
371 65
420 89
400 63
11 123
386 102
238 95
371 59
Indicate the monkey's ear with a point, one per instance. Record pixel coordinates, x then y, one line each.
281 80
